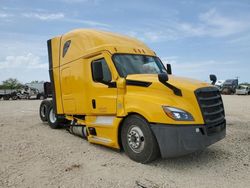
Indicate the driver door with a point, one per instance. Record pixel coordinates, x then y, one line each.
103 96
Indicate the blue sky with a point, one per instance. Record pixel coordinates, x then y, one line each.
197 37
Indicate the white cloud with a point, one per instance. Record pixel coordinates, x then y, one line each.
202 69
169 60
23 56
5 15
5 18
153 36
86 22
62 17
215 25
209 24
28 61
44 16
75 1
95 2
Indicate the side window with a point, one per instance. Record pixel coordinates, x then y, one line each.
66 47
106 72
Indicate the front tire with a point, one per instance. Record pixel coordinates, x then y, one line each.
138 141
52 118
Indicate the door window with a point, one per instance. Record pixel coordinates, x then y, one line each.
106 72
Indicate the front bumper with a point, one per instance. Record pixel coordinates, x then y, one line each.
178 140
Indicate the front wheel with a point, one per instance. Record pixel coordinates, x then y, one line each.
52 118
138 141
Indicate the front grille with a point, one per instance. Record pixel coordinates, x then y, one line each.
212 108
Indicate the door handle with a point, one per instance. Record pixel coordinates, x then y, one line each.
93 103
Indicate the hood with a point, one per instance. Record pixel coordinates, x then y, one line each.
154 94
179 82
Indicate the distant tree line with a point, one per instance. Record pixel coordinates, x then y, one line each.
11 83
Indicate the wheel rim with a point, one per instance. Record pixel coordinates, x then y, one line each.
43 111
136 139
52 116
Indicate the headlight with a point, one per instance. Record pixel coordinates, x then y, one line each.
177 114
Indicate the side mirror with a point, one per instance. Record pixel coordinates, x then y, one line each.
169 69
97 71
163 77
213 78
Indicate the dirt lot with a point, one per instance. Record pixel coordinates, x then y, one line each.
33 155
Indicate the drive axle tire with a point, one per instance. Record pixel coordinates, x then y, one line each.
40 96
14 97
43 110
52 118
6 97
138 141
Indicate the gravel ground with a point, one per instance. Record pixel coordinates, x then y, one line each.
33 155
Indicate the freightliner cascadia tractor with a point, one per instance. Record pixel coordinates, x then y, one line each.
113 90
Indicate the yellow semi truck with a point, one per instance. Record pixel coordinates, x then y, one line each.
113 90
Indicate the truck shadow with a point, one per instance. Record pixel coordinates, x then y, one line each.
208 157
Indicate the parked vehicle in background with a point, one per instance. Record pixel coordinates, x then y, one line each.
47 89
242 90
37 90
28 91
219 84
229 86
7 94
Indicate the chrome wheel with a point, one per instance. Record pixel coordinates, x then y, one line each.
136 139
52 116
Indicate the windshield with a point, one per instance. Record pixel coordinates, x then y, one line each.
137 64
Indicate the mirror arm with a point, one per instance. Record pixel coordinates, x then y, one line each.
176 90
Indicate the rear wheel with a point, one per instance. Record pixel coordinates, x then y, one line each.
52 118
14 97
43 109
138 140
40 96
